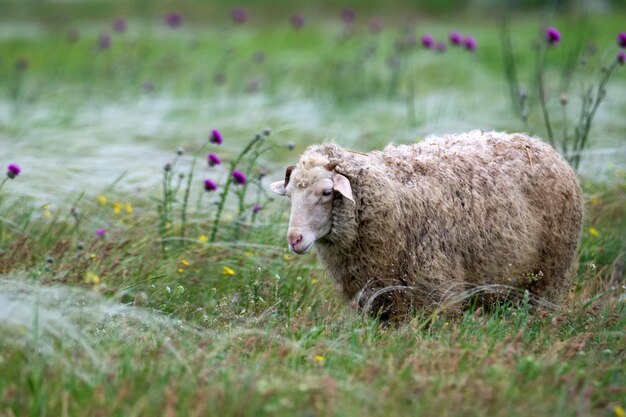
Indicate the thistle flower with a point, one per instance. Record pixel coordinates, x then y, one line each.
119 25
428 41
441 47
239 177
553 36
470 43
621 39
348 16
209 185
173 20
297 21
216 137
621 57
101 232
13 170
104 41
213 159
239 15
455 38
256 208
375 25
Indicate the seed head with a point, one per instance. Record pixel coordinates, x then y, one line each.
290 145
167 167
267 131
13 170
180 151
563 99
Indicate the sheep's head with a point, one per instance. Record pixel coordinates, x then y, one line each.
313 191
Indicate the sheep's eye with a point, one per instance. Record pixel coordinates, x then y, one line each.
327 192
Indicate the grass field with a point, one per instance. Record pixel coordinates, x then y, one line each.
128 287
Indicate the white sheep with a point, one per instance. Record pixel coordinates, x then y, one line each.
414 225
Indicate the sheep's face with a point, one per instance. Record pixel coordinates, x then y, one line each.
311 204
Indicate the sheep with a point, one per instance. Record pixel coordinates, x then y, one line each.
411 227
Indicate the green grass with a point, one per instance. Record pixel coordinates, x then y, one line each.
143 322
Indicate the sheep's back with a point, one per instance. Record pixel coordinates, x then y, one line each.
501 208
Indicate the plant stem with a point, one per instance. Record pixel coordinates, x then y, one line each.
542 96
229 181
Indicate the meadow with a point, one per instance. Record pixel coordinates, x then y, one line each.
144 268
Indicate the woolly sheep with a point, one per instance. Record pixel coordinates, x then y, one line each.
412 226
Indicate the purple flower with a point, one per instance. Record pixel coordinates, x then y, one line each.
210 185
213 159
621 57
553 36
239 15
375 25
104 41
428 41
470 43
348 16
239 177
455 38
73 36
13 170
101 232
441 47
119 25
256 208
173 20
621 39
297 21
216 137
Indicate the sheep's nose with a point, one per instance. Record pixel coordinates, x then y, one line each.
294 239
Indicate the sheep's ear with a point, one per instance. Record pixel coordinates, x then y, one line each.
278 187
342 184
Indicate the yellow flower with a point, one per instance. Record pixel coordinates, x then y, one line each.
181 270
287 257
91 278
619 411
184 262
228 271
313 281
595 201
318 358
46 211
93 256
593 231
129 208
102 200
203 238
117 207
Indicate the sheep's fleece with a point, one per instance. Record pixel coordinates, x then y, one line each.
413 226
